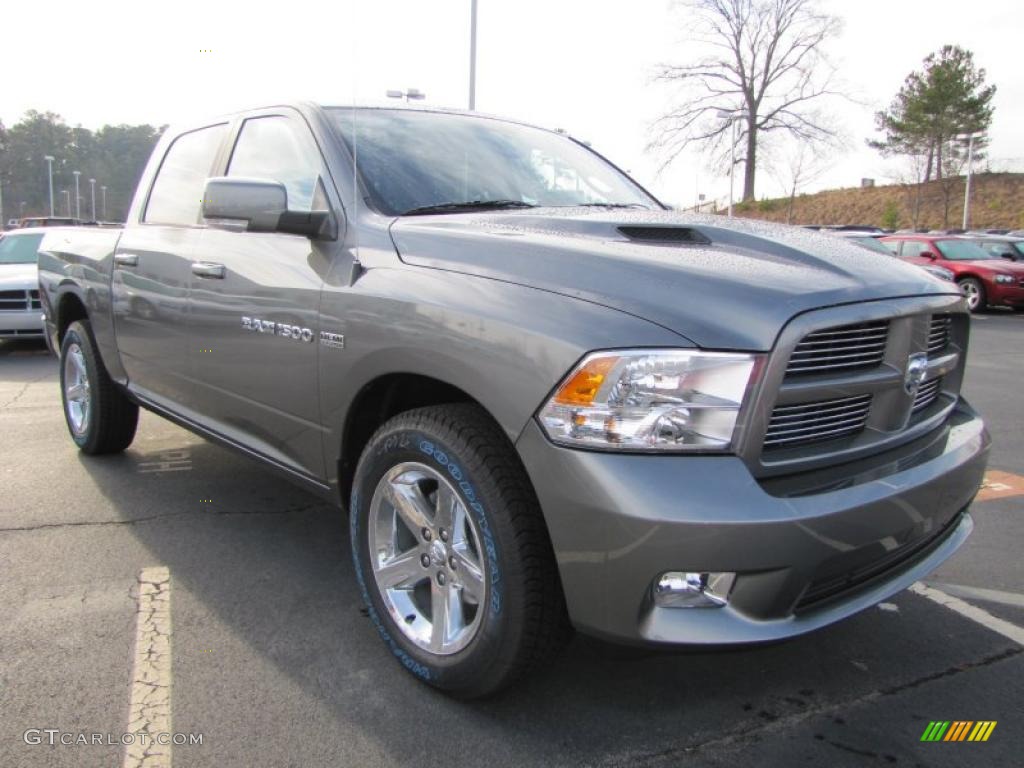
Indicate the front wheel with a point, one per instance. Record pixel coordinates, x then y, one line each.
974 292
100 417
451 552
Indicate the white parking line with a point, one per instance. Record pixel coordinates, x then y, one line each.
972 612
150 709
977 593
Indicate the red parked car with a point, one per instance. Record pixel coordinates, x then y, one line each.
984 279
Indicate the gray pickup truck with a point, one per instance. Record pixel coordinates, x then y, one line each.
546 401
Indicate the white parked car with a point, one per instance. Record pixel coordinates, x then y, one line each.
21 315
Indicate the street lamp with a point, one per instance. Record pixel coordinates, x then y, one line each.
103 190
410 93
472 55
732 115
78 198
92 193
969 138
49 163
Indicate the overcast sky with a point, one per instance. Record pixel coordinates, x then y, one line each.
582 65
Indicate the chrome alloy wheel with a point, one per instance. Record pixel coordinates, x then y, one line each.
972 294
77 395
427 559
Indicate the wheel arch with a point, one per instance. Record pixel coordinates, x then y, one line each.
70 307
380 399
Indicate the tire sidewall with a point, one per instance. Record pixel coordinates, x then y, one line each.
470 666
77 334
982 298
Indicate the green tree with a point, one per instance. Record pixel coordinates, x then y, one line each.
946 98
891 215
114 155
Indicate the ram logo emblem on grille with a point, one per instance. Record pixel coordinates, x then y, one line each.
917 367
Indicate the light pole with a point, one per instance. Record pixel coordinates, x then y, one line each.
732 116
410 93
67 202
78 198
103 191
970 137
92 194
472 55
49 165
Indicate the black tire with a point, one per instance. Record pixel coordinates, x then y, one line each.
112 418
969 285
524 618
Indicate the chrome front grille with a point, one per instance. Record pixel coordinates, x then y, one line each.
847 347
837 387
926 393
938 334
812 422
19 300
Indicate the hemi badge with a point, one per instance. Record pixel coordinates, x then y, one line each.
335 340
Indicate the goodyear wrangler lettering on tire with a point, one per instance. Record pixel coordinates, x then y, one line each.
450 555
492 553
407 661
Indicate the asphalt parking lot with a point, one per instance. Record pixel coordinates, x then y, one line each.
275 664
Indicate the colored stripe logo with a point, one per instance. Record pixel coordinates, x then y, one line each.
958 730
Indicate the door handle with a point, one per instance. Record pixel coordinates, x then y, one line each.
126 259
208 269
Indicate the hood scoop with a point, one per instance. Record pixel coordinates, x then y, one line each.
665 235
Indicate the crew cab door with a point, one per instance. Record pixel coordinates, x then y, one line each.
152 270
254 301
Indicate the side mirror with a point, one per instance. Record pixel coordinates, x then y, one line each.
262 205
1008 255
257 202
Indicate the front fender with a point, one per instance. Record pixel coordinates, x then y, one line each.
505 345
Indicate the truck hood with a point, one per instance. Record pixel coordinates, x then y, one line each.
14 277
723 284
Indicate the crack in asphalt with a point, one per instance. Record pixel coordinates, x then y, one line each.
150 518
22 391
787 721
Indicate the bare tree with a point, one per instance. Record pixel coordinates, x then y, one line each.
763 58
802 163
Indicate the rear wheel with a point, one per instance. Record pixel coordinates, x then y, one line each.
100 417
974 292
451 551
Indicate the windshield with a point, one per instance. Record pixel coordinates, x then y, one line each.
961 250
410 160
19 249
872 243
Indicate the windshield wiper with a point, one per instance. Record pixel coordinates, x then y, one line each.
610 205
469 205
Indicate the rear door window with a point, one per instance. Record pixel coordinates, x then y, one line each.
176 195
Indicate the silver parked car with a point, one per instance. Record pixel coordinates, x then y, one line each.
21 314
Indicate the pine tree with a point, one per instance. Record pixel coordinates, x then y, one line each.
947 98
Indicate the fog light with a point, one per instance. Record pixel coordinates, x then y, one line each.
677 589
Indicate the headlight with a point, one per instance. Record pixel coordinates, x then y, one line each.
1004 279
650 400
940 272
